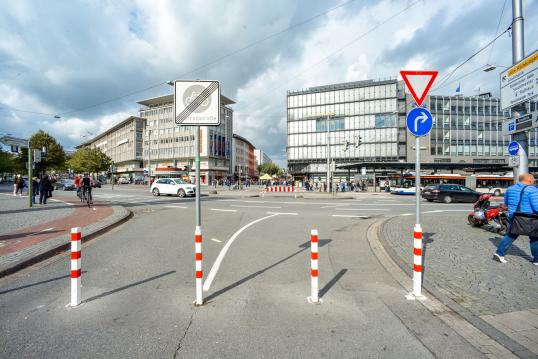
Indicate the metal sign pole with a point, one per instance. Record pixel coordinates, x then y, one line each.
30 204
197 165
417 180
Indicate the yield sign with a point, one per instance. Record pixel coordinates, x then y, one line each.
419 83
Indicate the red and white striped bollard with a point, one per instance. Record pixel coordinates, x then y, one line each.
417 261
198 265
314 286
76 239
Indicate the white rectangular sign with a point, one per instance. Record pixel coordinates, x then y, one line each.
513 161
519 83
521 124
197 103
14 141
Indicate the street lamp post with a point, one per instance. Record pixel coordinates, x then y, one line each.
149 157
328 136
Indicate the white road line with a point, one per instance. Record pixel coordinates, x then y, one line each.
346 216
44 230
328 206
284 213
216 240
59 200
176 207
223 210
235 205
362 209
407 214
218 261
448 210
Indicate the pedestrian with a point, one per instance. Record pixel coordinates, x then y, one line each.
44 188
35 189
521 197
15 183
20 185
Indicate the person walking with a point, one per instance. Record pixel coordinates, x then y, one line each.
35 189
521 197
15 181
44 188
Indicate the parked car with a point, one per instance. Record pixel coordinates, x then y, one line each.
65 184
96 184
172 186
449 193
123 180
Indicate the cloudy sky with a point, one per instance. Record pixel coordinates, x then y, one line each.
88 60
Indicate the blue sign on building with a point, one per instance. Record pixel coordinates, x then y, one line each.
513 148
419 121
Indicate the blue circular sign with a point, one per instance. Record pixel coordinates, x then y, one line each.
419 121
513 148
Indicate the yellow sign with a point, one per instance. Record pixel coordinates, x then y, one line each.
525 63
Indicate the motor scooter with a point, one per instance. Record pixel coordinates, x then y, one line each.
495 217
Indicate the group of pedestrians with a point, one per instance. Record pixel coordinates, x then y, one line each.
41 188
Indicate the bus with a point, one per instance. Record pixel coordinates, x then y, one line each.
494 184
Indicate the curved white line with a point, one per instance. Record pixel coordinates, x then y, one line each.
218 261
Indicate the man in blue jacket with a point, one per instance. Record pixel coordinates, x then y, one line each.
529 204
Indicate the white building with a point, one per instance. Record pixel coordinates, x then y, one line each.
243 157
261 157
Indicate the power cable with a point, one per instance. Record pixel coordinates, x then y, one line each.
340 49
496 31
19 110
208 64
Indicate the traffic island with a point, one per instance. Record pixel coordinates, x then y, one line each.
497 299
25 246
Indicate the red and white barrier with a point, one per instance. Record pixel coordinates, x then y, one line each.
314 286
76 239
417 261
198 265
280 189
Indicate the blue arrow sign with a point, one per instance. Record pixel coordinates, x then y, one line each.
419 121
513 148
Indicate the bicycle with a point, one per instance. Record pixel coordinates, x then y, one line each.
87 195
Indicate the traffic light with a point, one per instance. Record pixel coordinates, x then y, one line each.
346 145
358 141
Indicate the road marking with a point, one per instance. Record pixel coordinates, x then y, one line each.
176 207
328 206
59 200
236 205
216 240
44 230
346 216
447 210
223 210
361 209
285 213
407 214
220 257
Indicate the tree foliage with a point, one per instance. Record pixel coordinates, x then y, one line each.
8 163
271 168
55 158
89 160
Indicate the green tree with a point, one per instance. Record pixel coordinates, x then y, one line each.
55 158
89 160
271 168
8 163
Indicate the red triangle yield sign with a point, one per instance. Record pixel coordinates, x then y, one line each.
419 83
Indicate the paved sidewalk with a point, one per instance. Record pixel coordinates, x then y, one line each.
31 234
458 265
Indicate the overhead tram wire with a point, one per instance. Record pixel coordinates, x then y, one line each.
497 30
25 111
337 51
213 62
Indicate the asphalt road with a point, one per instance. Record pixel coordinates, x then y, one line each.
138 287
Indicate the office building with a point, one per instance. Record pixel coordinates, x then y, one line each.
123 144
261 158
370 112
167 145
243 158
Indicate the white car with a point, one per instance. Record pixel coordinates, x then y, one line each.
172 186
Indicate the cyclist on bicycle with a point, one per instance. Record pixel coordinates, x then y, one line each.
86 184
77 184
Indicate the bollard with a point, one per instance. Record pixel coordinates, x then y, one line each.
198 265
417 261
76 237
314 290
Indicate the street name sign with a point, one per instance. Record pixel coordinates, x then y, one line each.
513 148
419 83
197 103
419 121
519 83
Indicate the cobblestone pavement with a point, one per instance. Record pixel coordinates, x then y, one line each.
458 263
15 213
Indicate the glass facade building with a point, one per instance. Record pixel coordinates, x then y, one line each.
469 129
372 111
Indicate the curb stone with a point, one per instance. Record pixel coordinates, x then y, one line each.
466 324
16 261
